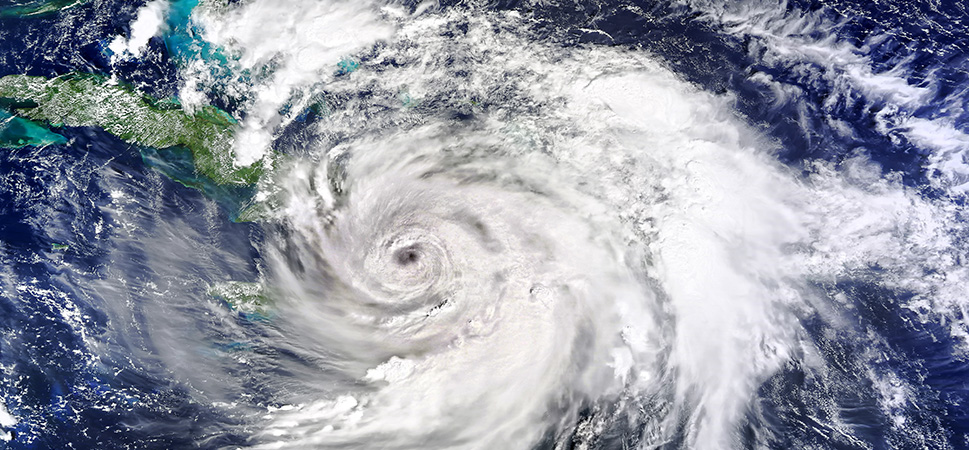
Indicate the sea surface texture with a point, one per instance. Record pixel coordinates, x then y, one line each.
484 225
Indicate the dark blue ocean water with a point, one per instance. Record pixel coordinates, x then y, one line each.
57 195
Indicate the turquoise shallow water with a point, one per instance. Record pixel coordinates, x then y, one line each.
110 336
17 132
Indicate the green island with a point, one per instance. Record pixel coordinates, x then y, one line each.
79 100
37 7
193 148
248 299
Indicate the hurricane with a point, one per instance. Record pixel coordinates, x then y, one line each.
522 225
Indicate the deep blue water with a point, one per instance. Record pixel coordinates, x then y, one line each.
62 398
57 194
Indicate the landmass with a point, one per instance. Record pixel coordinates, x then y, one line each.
91 100
248 299
37 7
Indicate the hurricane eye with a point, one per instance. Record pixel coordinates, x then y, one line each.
408 256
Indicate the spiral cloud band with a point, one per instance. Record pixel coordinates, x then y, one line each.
489 240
